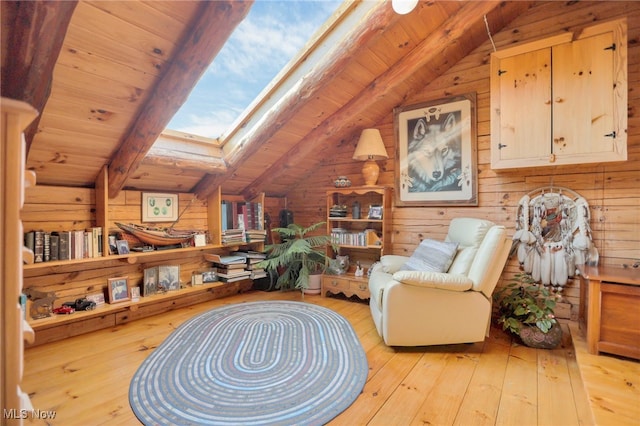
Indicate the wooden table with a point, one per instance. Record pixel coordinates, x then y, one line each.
610 309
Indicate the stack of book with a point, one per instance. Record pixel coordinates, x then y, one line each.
233 236
64 245
256 235
229 268
253 258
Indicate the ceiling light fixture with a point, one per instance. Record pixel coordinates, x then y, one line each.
402 7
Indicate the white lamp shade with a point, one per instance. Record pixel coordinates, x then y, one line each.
402 7
370 146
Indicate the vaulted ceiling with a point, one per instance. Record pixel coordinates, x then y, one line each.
107 76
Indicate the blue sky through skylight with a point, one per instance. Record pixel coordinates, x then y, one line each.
273 32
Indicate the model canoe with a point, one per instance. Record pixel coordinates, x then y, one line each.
156 237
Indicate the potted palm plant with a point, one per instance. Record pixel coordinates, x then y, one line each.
526 309
300 255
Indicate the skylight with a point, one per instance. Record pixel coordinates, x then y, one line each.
271 35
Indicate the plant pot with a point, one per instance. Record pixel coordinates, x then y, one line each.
315 284
534 338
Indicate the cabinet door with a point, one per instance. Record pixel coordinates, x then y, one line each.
560 101
524 84
583 96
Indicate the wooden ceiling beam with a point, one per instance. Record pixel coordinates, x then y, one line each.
37 32
172 159
211 28
421 55
319 78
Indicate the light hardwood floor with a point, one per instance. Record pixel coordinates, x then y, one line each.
85 379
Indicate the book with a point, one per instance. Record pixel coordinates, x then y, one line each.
234 273
233 279
250 254
225 259
229 267
39 247
64 245
30 240
55 246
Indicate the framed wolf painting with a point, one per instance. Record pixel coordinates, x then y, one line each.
436 153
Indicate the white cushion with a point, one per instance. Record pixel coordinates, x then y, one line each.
467 231
440 280
431 255
392 262
463 260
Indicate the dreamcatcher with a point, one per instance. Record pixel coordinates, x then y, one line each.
553 235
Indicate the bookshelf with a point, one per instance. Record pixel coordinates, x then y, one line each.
75 278
364 237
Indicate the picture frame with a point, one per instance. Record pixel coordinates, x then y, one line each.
118 289
209 276
158 207
168 277
135 294
97 298
436 153
375 212
150 283
122 246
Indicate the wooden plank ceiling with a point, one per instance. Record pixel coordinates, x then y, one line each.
125 67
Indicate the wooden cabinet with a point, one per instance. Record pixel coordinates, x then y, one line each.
561 100
609 314
348 285
15 117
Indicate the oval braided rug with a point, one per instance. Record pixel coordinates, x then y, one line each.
273 362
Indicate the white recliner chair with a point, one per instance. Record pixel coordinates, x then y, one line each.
421 307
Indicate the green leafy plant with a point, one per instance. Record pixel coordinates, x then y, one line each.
297 256
523 302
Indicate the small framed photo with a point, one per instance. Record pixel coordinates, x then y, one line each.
169 277
375 212
135 294
209 276
159 207
118 289
97 298
122 246
150 285
113 249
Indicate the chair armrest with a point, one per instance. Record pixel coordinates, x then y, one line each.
391 263
441 280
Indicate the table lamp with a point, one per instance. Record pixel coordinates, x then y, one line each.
370 148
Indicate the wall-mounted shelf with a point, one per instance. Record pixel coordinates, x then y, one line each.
57 327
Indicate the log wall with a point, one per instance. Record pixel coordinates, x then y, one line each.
611 189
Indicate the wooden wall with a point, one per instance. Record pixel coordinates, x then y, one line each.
612 190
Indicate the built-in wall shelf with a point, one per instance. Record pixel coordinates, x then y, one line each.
58 327
131 258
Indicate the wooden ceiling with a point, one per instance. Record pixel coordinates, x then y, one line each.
108 76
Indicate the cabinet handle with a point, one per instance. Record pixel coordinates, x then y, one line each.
334 283
362 286
559 100
611 135
552 158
